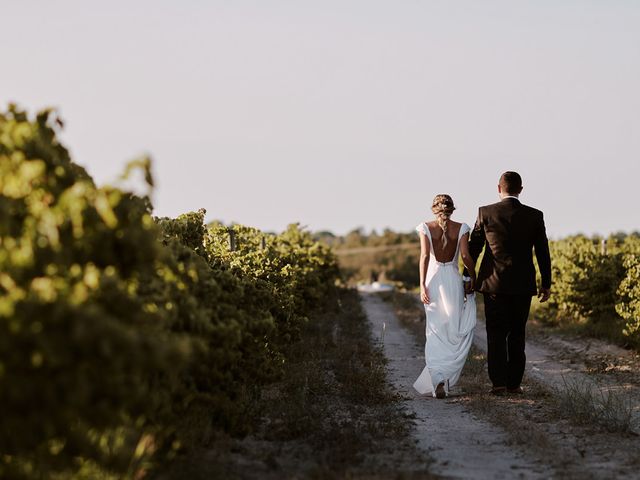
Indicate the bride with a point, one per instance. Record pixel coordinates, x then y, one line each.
451 313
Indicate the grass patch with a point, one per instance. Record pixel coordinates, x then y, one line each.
333 415
587 403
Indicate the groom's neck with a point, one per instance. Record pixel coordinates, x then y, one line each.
505 195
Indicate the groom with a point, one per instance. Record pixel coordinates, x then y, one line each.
507 278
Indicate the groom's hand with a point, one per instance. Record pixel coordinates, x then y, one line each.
544 294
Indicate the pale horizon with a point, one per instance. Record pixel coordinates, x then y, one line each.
344 114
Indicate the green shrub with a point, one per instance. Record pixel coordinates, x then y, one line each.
121 337
628 305
584 279
597 289
84 360
224 313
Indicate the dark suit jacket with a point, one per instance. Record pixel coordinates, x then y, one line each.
510 231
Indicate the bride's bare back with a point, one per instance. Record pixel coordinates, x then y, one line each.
444 254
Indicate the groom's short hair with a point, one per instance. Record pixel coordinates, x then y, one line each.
511 182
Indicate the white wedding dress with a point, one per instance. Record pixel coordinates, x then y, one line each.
451 320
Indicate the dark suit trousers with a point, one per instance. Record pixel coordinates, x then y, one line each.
506 319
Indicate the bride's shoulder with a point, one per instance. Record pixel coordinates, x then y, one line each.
424 227
464 228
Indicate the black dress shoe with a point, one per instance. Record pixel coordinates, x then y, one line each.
498 391
516 390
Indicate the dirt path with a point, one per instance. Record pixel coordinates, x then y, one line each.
462 444
561 423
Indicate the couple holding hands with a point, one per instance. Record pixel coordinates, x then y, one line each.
509 232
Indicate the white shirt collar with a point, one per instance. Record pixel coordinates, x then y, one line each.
510 196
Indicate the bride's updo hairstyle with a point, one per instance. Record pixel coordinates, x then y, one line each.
442 208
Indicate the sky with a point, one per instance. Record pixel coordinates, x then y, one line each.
341 114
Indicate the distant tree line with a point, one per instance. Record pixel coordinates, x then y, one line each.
363 256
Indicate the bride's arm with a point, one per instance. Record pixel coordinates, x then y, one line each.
424 265
467 259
